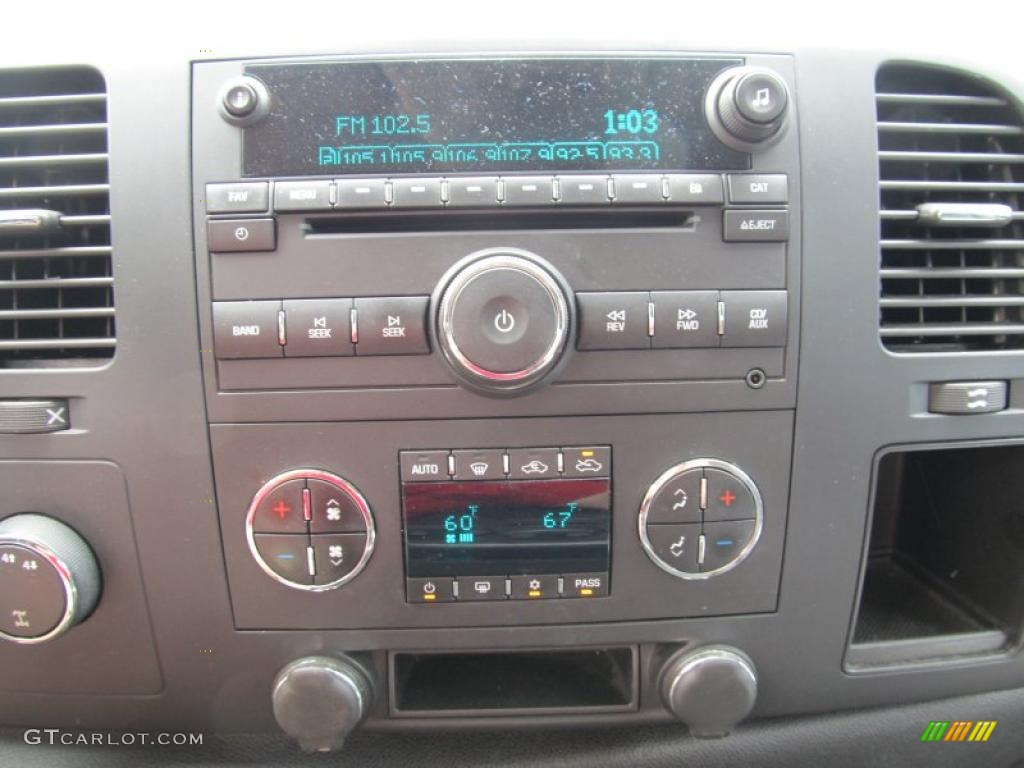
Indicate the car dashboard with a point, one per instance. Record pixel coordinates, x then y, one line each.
512 400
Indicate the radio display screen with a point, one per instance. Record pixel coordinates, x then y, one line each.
486 116
488 528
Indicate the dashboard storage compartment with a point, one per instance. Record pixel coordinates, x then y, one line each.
513 682
942 575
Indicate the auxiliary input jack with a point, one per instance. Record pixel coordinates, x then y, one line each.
755 378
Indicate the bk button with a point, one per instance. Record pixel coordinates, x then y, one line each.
281 510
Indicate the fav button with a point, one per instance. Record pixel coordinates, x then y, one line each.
678 500
281 511
332 510
318 327
724 542
728 497
240 197
392 326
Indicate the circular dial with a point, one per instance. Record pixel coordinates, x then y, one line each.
319 700
49 579
746 107
503 320
700 518
310 530
710 689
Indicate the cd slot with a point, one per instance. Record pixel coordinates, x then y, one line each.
507 219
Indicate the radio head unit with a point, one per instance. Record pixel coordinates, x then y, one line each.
486 116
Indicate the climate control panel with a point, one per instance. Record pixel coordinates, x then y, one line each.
310 530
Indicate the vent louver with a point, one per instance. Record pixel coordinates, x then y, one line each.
56 285
951 169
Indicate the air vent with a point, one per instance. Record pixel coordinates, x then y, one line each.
951 168
56 286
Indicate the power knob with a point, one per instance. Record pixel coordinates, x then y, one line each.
503 319
746 107
49 579
320 700
711 689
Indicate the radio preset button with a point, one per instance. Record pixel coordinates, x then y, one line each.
436 590
676 545
637 189
281 510
532 463
244 329
473 588
318 327
539 587
583 190
238 197
302 195
487 464
286 555
423 466
585 585
685 319
392 326
232 235
755 318
695 189
528 190
758 188
724 541
755 226
590 461
679 500
336 554
360 193
469 192
416 193
332 510
613 320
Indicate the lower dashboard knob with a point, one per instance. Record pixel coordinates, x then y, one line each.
503 320
320 700
49 579
711 689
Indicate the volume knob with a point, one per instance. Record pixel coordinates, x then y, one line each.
746 107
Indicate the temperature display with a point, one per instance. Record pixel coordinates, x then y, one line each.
502 115
506 527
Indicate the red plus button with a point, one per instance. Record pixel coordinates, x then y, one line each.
728 497
280 511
